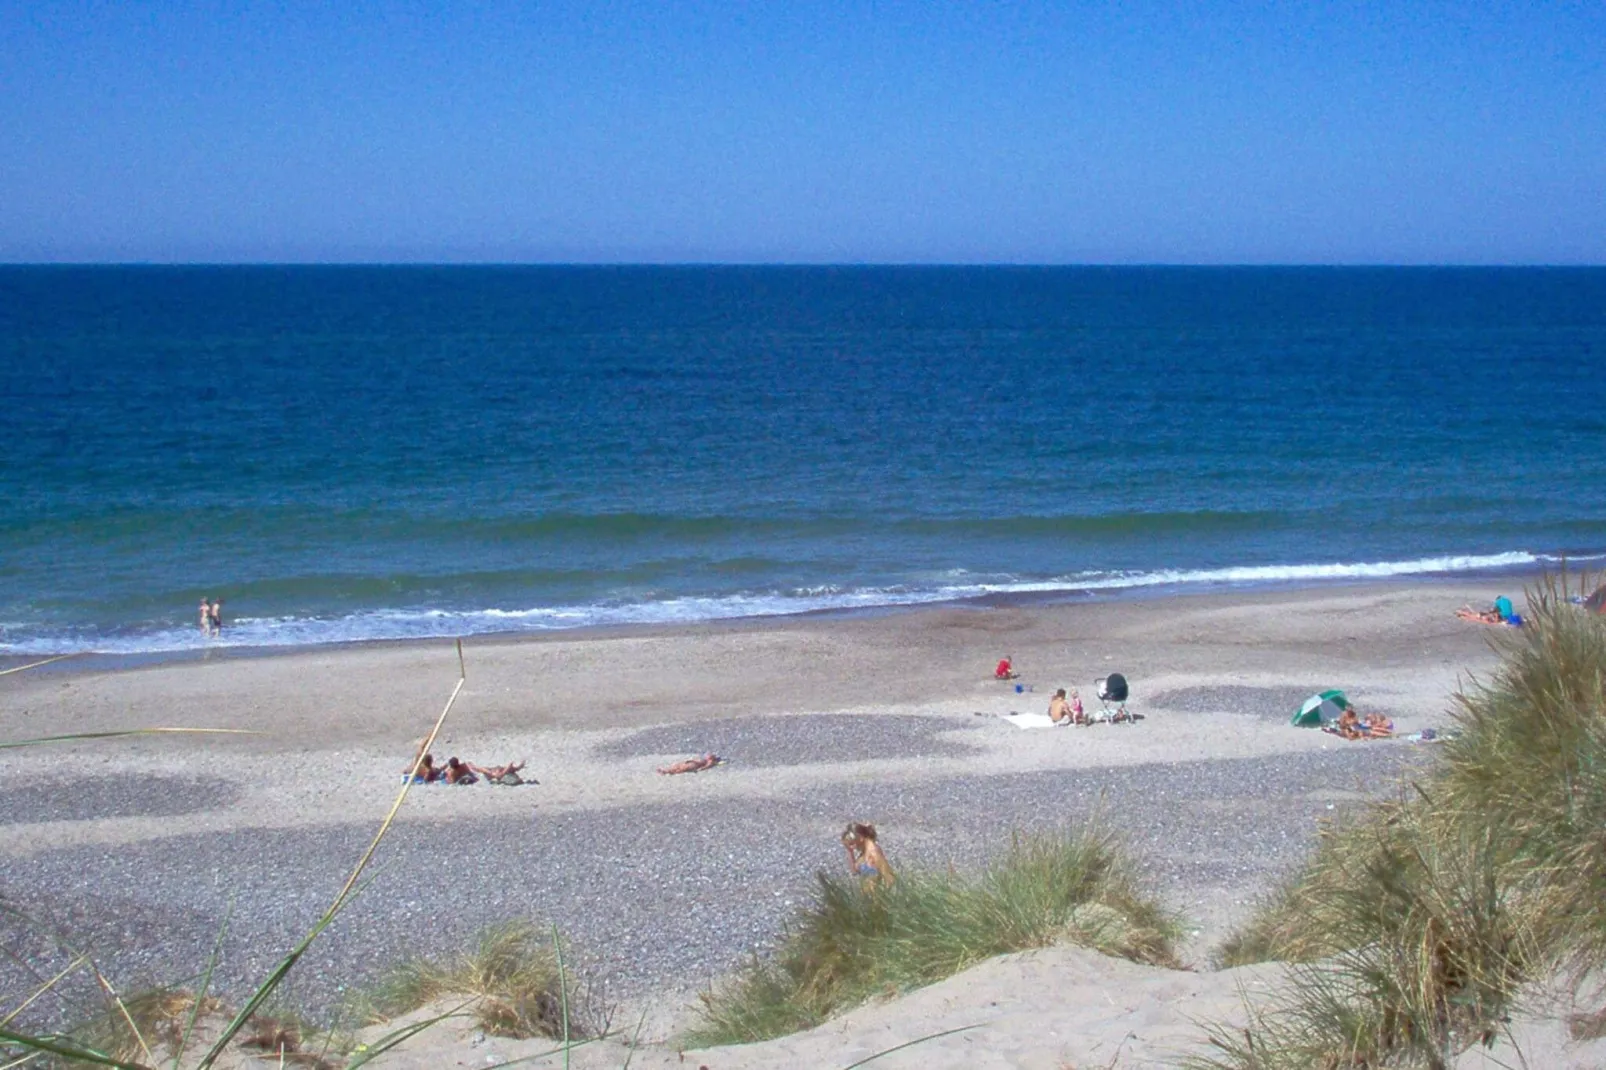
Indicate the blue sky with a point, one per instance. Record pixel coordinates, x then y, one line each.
924 132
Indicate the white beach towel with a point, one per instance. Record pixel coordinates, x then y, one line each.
1029 720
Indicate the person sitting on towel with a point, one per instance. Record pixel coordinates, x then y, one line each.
457 772
866 860
692 765
1060 711
1377 726
1498 613
1005 669
1349 725
423 770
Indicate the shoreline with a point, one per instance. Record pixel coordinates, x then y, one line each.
1520 578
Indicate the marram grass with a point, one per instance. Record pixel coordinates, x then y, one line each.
1416 925
510 980
853 943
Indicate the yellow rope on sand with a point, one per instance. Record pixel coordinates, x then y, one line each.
35 665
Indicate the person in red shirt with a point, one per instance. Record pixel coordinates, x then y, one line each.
1006 669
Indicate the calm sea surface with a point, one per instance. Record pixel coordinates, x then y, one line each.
356 453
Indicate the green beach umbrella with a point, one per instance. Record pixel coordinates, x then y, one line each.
1319 709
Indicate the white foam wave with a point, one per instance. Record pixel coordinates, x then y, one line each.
955 585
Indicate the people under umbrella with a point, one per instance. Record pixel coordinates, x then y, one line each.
1351 725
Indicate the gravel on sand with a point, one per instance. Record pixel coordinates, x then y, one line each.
93 798
1267 703
773 741
650 897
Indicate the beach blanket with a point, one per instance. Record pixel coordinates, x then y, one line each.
1029 720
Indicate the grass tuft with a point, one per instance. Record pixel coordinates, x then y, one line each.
1416 924
510 977
852 944
155 1020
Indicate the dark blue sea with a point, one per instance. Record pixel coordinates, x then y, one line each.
349 453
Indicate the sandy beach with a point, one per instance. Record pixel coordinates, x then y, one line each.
141 848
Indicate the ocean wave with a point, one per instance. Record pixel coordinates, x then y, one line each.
950 586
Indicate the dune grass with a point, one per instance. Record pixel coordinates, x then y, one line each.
121 1028
1416 924
510 980
853 943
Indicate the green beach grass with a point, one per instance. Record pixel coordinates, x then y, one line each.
510 980
1416 925
854 943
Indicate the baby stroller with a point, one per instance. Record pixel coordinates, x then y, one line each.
1113 689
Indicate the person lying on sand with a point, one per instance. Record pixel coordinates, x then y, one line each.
1481 616
865 857
1377 726
692 765
457 772
1005 669
494 773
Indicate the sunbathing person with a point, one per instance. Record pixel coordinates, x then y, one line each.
457 772
692 765
1348 725
1482 616
1059 710
1377 726
865 857
423 770
494 773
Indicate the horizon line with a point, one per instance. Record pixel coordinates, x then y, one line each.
832 264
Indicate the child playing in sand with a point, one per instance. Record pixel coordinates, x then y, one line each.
1005 669
692 765
865 857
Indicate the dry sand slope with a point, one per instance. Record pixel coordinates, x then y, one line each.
664 883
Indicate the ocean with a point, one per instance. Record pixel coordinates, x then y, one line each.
360 453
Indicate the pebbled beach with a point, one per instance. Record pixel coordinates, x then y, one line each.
139 849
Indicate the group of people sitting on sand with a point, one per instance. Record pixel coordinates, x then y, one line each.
425 771
1066 711
1351 725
